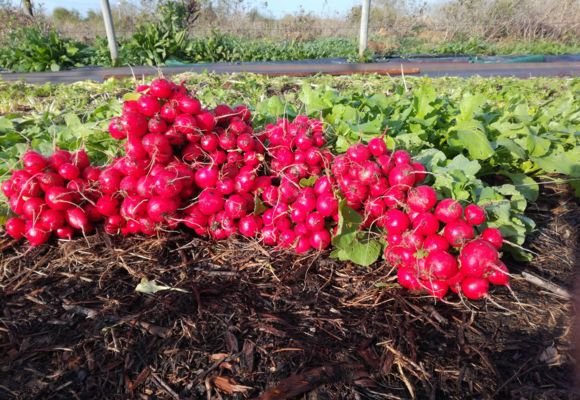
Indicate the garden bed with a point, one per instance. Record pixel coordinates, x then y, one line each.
254 322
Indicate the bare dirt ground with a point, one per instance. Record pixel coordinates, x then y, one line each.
252 323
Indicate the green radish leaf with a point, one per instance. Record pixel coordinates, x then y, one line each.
308 182
131 96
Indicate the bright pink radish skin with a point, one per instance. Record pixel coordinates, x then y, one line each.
493 236
474 214
474 288
448 210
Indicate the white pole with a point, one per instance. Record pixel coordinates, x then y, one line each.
364 27
110 29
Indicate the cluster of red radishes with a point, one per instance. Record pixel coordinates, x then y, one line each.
382 187
208 170
53 194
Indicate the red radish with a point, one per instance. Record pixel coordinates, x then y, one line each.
441 265
402 176
499 274
369 172
458 233
91 174
358 153
287 238
396 221
386 163
51 220
160 208
474 288
77 219
109 180
298 215
412 240
157 125
426 224
435 242
148 105
243 112
68 171
394 239
420 172
16 204
15 227
407 278
58 198
117 128
161 88
210 201
448 210
206 177
327 205
185 123
205 121
315 222
270 235
92 213
37 236
377 146
7 188
493 236
29 188
134 124
421 198
249 225
394 197
189 105
32 208
302 244
142 88
130 106
65 232
324 184
235 206
401 157
108 205
169 112
81 159
225 186
320 240
59 157
474 215
476 256
34 162
435 288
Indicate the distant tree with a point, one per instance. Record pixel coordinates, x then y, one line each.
61 15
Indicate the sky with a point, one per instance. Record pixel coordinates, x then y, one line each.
277 8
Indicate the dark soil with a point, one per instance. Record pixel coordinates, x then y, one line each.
256 323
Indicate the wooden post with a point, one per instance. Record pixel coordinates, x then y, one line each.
110 29
364 27
27 5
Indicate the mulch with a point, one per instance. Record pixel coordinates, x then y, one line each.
249 322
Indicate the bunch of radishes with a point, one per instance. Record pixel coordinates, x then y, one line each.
208 170
52 195
425 238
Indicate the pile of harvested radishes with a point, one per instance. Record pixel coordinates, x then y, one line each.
206 169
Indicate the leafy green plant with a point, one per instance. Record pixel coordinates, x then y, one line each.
30 49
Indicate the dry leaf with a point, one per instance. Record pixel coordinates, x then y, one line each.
228 385
151 287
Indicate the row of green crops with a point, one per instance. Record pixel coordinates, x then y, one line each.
31 50
489 141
